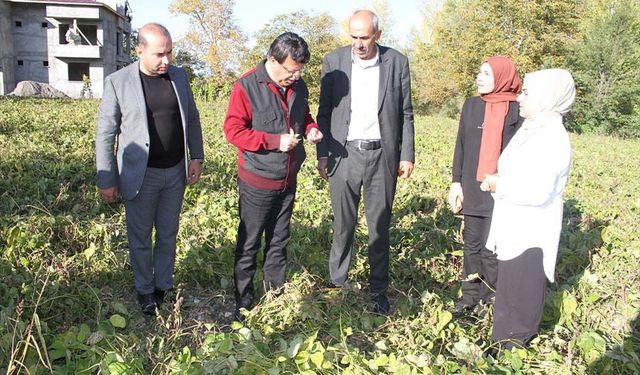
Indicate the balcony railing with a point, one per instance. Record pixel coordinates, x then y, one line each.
77 51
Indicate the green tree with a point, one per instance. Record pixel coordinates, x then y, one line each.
133 40
189 62
213 37
386 20
606 65
465 32
318 30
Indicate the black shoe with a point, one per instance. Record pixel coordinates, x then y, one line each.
344 286
462 307
237 315
147 303
481 310
159 295
381 304
493 352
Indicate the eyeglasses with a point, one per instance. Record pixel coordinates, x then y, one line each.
292 72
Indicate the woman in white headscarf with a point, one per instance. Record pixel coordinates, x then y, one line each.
527 214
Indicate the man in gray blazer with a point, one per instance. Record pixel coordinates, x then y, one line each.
366 116
148 106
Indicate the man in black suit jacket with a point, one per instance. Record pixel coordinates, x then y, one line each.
366 117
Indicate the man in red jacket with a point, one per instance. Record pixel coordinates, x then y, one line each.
267 117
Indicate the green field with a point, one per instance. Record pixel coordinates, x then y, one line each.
67 302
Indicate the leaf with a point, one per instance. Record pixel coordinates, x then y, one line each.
444 317
95 338
347 331
294 347
317 358
382 345
302 357
592 345
118 368
569 304
381 360
57 354
225 345
120 308
118 321
516 362
88 252
245 333
83 332
224 282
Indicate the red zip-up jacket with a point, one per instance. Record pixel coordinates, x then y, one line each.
258 114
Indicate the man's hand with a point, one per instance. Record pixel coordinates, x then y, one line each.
322 168
456 198
490 182
110 194
288 142
405 169
314 136
195 168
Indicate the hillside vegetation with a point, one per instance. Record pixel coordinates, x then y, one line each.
67 302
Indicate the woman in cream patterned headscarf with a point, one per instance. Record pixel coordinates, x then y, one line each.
527 215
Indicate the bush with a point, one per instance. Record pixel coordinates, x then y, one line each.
606 66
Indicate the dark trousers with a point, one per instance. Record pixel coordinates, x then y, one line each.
364 170
157 204
519 299
265 212
478 259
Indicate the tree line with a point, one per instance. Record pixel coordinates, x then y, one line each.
597 40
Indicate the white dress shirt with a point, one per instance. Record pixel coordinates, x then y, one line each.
533 171
365 79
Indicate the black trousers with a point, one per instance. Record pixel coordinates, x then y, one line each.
478 259
265 212
519 299
366 171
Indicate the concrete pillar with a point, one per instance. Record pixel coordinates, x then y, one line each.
7 55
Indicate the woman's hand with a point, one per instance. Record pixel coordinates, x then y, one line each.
455 197
490 182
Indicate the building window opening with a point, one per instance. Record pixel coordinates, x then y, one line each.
18 23
77 70
86 35
45 25
20 62
45 63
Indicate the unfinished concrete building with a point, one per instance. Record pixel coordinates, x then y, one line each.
63 42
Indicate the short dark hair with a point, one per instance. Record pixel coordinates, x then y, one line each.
289 44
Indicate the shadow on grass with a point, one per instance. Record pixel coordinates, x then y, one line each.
579 241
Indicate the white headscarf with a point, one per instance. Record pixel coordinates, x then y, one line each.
550 92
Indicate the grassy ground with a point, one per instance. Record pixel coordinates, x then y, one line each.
67 300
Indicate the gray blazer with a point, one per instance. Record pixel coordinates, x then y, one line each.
123 114
395 112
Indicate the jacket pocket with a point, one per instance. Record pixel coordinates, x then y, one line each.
268 121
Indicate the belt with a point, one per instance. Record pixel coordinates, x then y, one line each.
365 144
